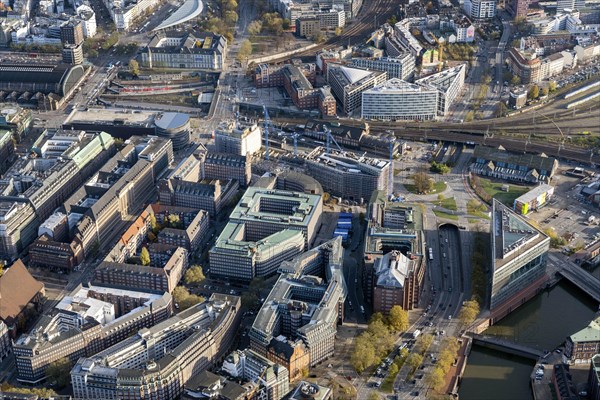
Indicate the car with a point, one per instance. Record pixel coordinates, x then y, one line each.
450 289
415 393
450 316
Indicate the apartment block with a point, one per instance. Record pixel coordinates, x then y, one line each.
84 323
158 361
306 304
188 232
45 252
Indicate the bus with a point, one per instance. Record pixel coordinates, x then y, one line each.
430 254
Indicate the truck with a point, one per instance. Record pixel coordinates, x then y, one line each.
416 333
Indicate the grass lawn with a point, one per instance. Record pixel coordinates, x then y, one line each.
441 214
438 187
494 189
473 220
448 203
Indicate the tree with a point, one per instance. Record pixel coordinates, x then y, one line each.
194 275
393 369
469 116
534 92
363 355
326 197
487 79
435 379
552 86
286 24
145 256
41 392
134 67
245 50
398 319
423 182
319 37
377 317
338 31
423 342
501 109
231 17
515 80
545 91
254 28
153 224
59 372
1 269
469 312
393 20
174 221
184 299
374 396
439 168
414 360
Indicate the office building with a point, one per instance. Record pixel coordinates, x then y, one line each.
185 50
480 9
72 54
448 83
308 26
291 181
225 166
87 17
393 274
266 227
518 261
594 378
210 195
520 8
249 366
18 218
348 84
309 390
87 321
5 343
174 126
344 135
534 199
7 150
72 33
348 175
399 100
305 305
122 186
238 139
394 254
587 52
517 98
159 360
213 386
55 255
499 163
401 66
570 5
19 290
581 346
402 40
188 232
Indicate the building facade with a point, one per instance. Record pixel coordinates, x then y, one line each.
401 67
238 139
348 84
210 195
583 345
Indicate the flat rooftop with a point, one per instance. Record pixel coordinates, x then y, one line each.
117 116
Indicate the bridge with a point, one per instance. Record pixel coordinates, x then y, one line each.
579 277
507 346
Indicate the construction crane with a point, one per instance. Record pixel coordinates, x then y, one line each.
328 138
257 382
267 121
440 50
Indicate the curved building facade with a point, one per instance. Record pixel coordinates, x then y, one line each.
174 126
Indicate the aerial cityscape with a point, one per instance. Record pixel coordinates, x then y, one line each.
299 200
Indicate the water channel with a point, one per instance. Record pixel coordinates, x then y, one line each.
544 322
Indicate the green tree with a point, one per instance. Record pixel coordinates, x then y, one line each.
59 372
153 224
377 317
423 342
363 355
41 392
319 37
393 20
374 396
487 79
184 299
254 28
326 197
515 80
436 379
423 182
414 360
439 168
469 116
145 256
245 50
134 67
552 86
338 31
393 369
545 91
398 319
194 275
534 92
286 24
231 17
469 312
174 221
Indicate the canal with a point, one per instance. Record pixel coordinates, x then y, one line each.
544 322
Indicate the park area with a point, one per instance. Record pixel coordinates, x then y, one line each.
504 192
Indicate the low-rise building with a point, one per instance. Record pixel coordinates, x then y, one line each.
309 390
581 346
213 386
499 163
517 98
534 199
345 135
185 50
159 360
